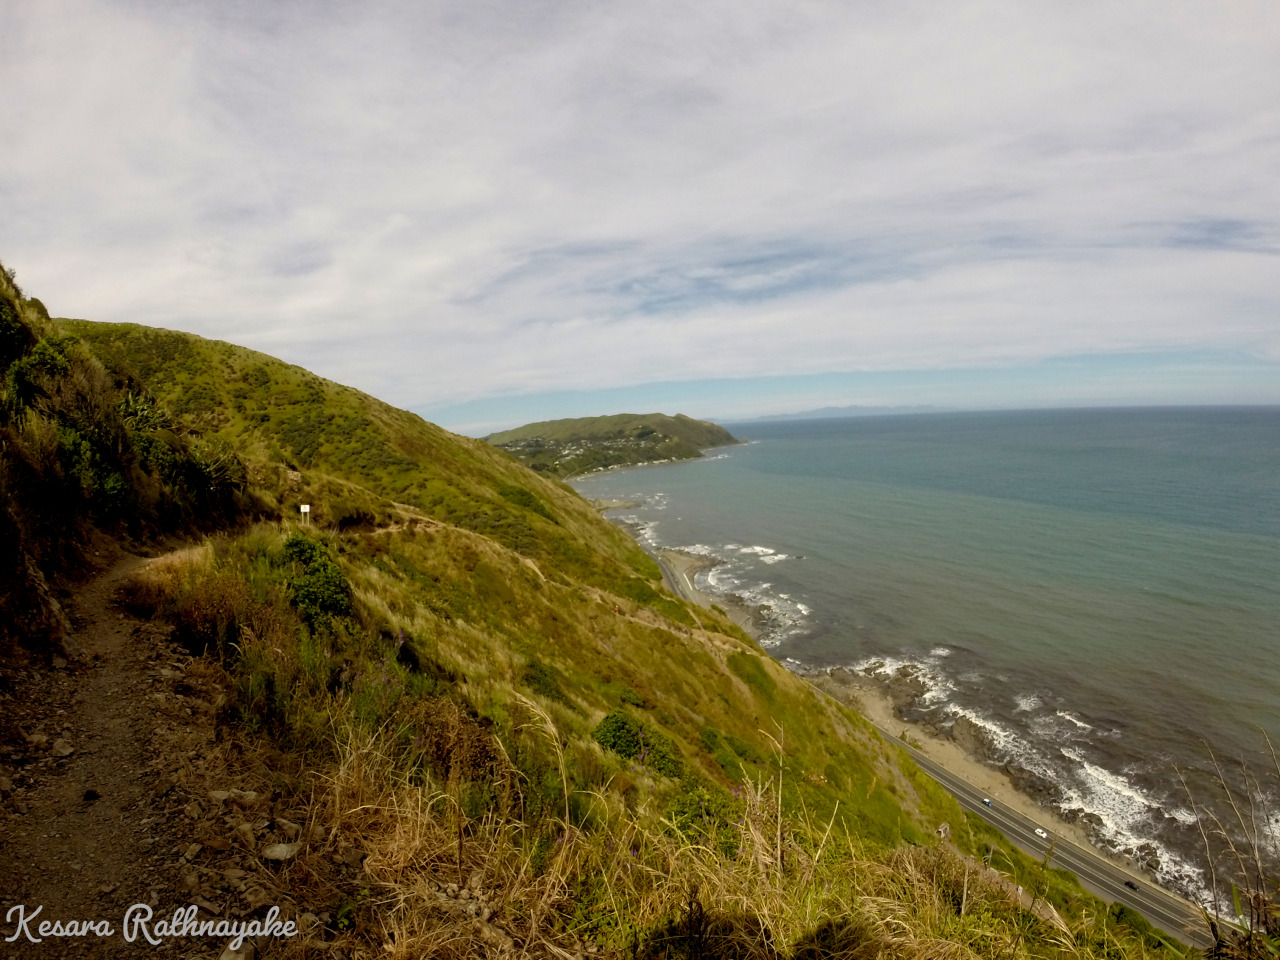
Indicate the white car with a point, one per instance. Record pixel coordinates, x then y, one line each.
1041 834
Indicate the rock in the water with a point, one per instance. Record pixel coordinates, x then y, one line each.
906 686
1033 784
971 738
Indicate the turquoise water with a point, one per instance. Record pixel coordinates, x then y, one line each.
1099 589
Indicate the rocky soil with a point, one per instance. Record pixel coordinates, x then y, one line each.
116 790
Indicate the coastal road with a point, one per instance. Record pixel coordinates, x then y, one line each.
1097 875
679 583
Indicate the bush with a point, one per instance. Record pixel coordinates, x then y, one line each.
322 591
636 740
634 699
16 337
524 498
708 815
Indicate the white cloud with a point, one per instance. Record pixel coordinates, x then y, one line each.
439 202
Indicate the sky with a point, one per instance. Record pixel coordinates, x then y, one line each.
497 212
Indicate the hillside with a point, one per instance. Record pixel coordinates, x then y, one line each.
506 577
566 448
466 715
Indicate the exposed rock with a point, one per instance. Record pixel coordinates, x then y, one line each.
280 851
48 616
1147 857
61 748
906 686
244 798
494 936
1034 785
244 953
971 738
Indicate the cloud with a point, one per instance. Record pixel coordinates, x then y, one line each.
442 202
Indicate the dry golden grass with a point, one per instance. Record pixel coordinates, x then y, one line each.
444 885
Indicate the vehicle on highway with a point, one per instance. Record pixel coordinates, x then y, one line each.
1041 834
987 801
1131 885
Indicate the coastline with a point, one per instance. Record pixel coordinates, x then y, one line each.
872 700
678 572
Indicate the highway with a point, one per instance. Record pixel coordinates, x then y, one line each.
1098 875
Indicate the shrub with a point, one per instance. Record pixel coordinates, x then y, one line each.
16 337
704 814
636 740
31 375
525 498
634 699
322 591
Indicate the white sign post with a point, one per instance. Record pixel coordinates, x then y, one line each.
306 512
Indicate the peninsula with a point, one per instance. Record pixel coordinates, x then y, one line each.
567 448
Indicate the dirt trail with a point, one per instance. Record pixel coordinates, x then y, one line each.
87 820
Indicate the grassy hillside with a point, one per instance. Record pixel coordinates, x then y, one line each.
82 455
352 456
491 689
565 448
497 575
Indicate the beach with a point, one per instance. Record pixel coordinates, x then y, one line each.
872 699
678 572
1045 593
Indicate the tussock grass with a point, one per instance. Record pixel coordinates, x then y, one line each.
637 888
437 648
456 727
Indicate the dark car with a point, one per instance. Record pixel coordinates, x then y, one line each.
1131 885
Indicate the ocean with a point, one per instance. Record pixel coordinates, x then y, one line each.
1099 590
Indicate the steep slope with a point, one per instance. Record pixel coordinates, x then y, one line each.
494 692
565 448
83 456
585 625
358 453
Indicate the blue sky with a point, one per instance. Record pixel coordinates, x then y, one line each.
491 212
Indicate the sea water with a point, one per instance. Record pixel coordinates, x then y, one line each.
1098 589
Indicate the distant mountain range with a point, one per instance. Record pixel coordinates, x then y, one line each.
831 413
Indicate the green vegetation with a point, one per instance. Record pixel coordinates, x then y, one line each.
82 452
489 680
565 448
353 457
